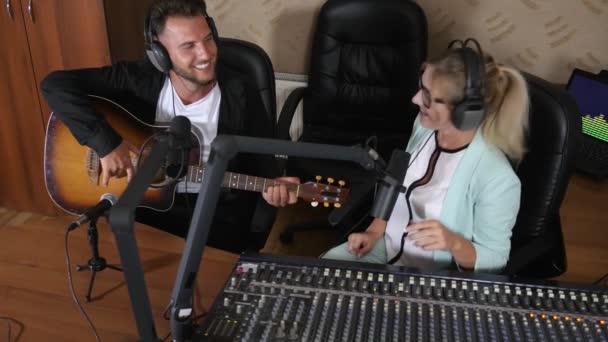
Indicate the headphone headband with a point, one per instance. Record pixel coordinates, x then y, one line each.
454 42
156 52
469 112
148 30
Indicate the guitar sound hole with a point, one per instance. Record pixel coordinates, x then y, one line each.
176 171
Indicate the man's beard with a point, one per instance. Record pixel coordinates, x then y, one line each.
189 76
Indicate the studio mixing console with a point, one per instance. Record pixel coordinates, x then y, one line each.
298 299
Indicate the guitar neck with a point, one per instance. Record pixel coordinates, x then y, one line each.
238 181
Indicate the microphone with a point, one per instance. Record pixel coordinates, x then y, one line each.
179 145
105 202
390 185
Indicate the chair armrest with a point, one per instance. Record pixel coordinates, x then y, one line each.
288 111
540 257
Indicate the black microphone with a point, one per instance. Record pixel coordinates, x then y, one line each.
105 202
390 185
179 145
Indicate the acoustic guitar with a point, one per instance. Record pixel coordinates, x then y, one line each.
73 171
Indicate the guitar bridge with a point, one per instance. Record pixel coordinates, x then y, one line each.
93 166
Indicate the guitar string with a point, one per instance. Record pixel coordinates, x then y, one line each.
185 158
257 184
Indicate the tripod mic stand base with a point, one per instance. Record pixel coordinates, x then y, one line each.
95 265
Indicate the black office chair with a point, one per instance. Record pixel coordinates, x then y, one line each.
252 61
537 244
365 62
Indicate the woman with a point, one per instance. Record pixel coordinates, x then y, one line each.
462 195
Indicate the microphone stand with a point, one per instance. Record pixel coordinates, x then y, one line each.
96 263
122 217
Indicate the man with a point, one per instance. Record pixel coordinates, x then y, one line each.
190 81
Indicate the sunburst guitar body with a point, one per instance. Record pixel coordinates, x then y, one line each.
73 171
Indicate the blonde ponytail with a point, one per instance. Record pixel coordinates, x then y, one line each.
507 102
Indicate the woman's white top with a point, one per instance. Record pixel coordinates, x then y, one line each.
427 179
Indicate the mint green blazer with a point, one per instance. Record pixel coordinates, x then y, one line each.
481 203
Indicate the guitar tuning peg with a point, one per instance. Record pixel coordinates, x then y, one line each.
318 178
337 205
341 183
326 205
330 180
314 204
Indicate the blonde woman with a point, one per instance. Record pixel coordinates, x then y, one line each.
462 195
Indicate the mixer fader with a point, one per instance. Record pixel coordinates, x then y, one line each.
298 299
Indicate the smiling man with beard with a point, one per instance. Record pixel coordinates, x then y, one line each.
181 75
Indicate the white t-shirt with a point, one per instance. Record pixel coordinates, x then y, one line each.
426 181
203 114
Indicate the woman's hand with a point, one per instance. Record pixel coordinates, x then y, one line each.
360 244
431 235
278 195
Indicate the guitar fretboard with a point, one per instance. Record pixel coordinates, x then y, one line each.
238 181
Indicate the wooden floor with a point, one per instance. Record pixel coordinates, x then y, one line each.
34 290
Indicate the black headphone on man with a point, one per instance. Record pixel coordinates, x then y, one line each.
156 52
470 111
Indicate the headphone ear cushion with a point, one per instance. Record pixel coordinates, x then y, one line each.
458 114
158 56
468 114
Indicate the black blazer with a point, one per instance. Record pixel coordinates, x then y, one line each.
136 86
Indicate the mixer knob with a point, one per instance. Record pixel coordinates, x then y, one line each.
548 303
514 300
526 302
281 330
293 332
449 293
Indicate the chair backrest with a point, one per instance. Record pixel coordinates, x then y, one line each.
253 63
554 133
365 62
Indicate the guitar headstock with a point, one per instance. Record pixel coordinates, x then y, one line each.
315 192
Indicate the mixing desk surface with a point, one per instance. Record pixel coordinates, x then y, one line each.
270 298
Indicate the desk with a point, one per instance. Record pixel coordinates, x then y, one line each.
34 288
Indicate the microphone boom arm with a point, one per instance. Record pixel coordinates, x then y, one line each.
122 217
224 148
